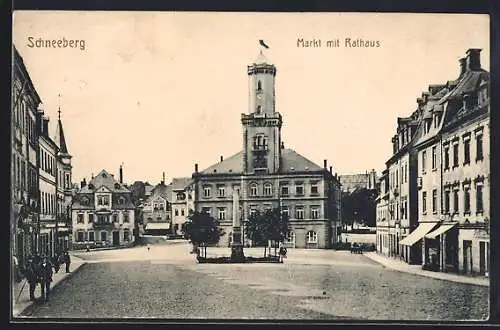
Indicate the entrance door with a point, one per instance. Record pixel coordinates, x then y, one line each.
467 256
482 257
116 238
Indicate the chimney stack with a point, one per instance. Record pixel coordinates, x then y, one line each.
83 183
121 173
196 168
221 158
163 182
473 59
45 126
463 65
282 145
325 163
331 169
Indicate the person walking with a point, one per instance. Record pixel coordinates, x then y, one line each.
67 260
55 263
31 273
46 277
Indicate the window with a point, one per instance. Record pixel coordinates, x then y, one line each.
467 199
222 191
299 189
206 192
104 236
284 190
447 201
299 212
466 150
103 199
222 213
125 217
479 146
314 189
67 182
434 158
312 237
285 211
455 201
115 217
424 156
290 238
259 108
424 201
479 198
207 210
79 218
253 190
446 157
268 189
176 212
182 212
455 155
80 236
434 201
259 86
126 235
121 201
406 172
315 212
253 210
161 206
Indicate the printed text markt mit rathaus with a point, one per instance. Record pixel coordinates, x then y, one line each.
337 42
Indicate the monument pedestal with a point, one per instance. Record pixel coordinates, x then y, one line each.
237 254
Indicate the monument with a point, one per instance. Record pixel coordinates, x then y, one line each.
236 245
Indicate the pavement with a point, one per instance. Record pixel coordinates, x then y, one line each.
402 266
21 299
166 282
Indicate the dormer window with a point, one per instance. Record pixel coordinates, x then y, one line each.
121 201
470 101
103 175
117 185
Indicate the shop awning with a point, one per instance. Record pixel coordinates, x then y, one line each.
416 235
440 230
158 225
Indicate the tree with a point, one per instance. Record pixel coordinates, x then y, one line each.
359 205
202 230
271 225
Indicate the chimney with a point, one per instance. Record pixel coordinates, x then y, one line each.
163 182
325 163
45 126
331 169
83 183
121 174
463 65
473 59
282 145
221 158
196 168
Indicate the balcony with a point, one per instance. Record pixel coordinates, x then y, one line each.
105 225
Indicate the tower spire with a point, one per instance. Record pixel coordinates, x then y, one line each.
59 106
60 138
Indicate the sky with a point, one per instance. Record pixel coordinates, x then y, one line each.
161 91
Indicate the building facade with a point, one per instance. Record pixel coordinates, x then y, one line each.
103 213
157 211
448 176
382 214
182 203
24 162
267 175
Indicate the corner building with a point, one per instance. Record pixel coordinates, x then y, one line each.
267 175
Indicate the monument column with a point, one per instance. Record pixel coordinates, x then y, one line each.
236 245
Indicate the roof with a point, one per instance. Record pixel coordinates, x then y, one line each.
353 181
60 139
165 191
107 180
180 183
291 161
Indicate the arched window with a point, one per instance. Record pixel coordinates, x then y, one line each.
259 86
253 189
268 189
312 237
259 109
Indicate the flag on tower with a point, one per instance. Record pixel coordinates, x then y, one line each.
263 44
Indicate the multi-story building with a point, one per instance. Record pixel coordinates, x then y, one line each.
103 213
461 241
182 203
350 182
450 208
24 162
64 189
382 214
48 151
157 211
267 175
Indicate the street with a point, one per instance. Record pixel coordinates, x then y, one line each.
166 282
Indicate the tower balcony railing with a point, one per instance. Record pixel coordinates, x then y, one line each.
257 147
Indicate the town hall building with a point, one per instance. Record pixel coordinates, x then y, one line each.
267 175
